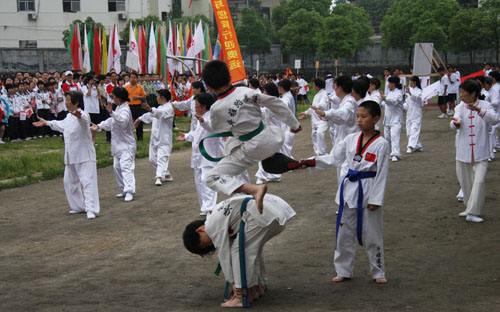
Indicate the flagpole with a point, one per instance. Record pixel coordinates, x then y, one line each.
182 60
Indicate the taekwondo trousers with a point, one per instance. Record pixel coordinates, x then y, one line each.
256 237
224 177
123 167
288 143
413 127
80 185
392 133
373 242
207 197
318 139
472 179
159 157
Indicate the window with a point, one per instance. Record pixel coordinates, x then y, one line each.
116 5
71 5
27 44
25 5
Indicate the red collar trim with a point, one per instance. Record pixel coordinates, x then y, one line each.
226 93
360 150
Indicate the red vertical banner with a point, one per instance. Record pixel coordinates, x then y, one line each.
229 41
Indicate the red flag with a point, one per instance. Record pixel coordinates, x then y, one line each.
473 75
158 51
142 49
190 2
76 53
97 51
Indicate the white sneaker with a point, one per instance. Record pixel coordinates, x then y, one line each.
203 214
409 150
473 218
278 180
120 195
129 197
28 139
90 215
463 214
442 116
158 182
260 182
2 142
395 158
460 200
167 178
74 212
451 112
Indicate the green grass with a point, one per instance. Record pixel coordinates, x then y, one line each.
29 162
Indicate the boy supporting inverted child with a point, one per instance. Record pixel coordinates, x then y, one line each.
237 114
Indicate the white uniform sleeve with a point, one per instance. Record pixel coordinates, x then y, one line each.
121 117
146 118
280 110
106 125
489 115
376 194
183 105
340 116
394 99
495 97
336 157
56 125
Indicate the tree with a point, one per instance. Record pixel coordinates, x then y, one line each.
124 34
253 33
299 32
362 29
89 23
336 39
491 11
470 32
406 20
375 9
284 12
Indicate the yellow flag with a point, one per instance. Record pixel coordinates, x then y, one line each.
104 53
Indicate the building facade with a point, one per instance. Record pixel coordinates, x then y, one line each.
40 23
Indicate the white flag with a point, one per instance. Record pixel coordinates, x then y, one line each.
117 52
133 51
179 68
86 55
152 55
170 50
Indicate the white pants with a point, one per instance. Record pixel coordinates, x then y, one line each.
373 242
123 167
206 196
225 176
288 143
80 185
413 127
472 179
266 176
159 157
332 134
318 140
392 134
493 140
255 239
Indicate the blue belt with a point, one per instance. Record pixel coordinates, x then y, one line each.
354 176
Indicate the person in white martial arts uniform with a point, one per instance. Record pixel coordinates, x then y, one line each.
270 119
375 95
329 84
237 114
494 93
413 107
207 197
221 233
123 146
343 117
80 169
444 89
333 103
160 142
393 118
286 96
472 118
319 126
364 159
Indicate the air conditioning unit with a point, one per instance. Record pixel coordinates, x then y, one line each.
32 16
122 16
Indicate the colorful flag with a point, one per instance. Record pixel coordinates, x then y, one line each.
179 52
152 53
117 51
86 55
132 61
76 48
171 50
217 50
97 51
104 57
207 53
142 49
91 47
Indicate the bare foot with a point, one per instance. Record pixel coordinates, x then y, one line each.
259 196
339 279
381 280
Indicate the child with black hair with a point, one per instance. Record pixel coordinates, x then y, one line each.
123 146
42 102
413 107
237 114
374 91
393 117
364 161
360 88
160 141
220 233
319 126
80 169
472 119
206 196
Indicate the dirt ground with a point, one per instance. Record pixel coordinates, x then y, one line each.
131 258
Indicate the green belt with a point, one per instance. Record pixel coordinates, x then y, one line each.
243 138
